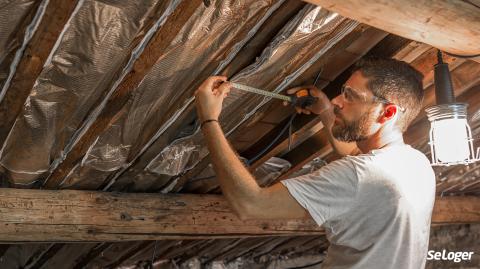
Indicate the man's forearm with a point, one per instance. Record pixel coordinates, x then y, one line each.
238 185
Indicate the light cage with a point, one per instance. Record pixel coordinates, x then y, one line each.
451 141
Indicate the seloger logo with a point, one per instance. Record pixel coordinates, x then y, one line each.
449 255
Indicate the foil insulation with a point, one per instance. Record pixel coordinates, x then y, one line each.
89 54
265 174
12 34
206 43
299 44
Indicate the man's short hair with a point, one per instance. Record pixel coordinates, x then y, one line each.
396 81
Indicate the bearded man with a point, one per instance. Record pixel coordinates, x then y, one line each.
376 202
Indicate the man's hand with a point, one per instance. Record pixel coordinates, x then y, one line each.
209 97
322 105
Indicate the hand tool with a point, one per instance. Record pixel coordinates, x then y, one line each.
301 98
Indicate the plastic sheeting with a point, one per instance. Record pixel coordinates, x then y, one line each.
12 14
302 42
205 181
310 167
88 55
205 44
176 158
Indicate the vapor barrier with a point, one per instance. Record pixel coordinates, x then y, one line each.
265 174
206 43
12 35
300 44
88 56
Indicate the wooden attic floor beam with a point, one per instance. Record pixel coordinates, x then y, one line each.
68 215
28 215
36 53
452 26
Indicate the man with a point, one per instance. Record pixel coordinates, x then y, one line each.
374 204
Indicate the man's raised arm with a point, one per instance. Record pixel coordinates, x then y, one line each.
247 199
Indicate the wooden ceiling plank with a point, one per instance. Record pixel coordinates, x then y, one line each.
37 261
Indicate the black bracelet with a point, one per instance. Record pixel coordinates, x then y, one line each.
206 121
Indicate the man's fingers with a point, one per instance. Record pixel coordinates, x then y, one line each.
225 87
294 90
210 82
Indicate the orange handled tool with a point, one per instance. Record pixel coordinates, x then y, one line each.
301 98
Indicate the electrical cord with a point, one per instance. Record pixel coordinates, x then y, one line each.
462 56
288 127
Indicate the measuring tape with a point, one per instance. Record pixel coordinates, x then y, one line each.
301 98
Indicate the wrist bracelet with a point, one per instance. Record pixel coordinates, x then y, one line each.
206 121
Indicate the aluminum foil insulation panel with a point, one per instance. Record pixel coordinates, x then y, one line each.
88 55
12 14
206 42
265 174
302 42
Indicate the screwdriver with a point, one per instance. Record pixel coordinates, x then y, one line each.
301 98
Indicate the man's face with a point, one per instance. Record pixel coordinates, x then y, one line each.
355 114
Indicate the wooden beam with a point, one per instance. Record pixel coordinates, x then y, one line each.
450 25
44 215
28 215
456 209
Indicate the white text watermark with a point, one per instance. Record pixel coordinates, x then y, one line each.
455 256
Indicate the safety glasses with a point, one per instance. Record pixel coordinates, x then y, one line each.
351 95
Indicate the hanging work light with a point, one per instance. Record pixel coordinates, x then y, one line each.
450 135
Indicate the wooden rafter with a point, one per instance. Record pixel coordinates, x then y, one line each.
43 215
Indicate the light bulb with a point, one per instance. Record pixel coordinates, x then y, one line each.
451 140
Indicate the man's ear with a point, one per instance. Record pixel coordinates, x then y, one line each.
389 113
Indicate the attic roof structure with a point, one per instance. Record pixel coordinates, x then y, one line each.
102 162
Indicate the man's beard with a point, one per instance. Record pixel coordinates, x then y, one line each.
352 131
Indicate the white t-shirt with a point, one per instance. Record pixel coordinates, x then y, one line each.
376 207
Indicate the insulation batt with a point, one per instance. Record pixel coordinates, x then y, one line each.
207 41
297 46
87 57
